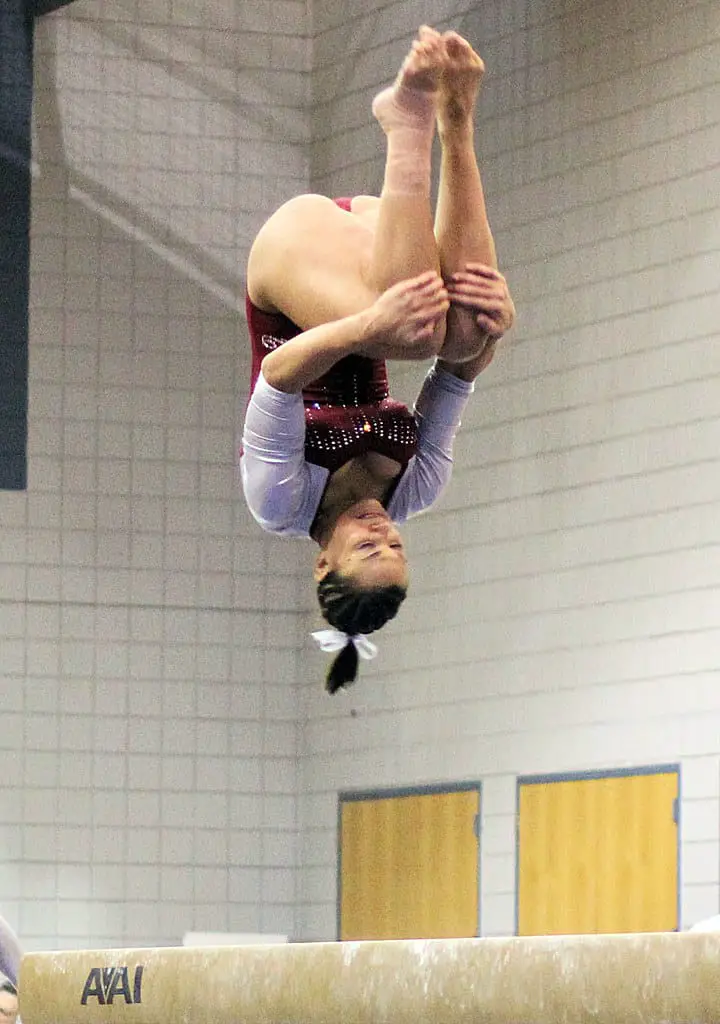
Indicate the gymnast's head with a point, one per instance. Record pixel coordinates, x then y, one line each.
362 578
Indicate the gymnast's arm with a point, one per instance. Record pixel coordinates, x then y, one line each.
401 322
483 292
438 411
300 361
275 477
449 384
470 369
10 952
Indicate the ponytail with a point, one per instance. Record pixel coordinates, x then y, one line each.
343 668
353 610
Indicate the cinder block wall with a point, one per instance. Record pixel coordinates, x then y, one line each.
165 734
147 628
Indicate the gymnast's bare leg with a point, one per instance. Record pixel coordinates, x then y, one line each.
404 243
316 263
465 242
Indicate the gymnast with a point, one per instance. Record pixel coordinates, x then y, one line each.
335 288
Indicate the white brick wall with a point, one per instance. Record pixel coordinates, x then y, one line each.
564 607
563 612
147 629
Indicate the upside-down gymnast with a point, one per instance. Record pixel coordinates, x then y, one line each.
336 287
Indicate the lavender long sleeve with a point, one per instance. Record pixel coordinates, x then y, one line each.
283 491
10 952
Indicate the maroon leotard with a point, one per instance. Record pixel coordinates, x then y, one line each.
348 411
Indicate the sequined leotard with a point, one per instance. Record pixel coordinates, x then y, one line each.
348 411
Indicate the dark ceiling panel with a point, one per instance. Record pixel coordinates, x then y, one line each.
15 106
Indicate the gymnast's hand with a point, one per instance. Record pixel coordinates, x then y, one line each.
403 322
484 291
481 311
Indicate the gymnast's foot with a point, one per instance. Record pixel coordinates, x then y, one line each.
459 85
410 101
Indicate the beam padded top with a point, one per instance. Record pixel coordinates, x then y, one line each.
646 979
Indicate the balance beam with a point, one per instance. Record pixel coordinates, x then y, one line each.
643 979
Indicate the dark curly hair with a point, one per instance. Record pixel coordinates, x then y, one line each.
353 609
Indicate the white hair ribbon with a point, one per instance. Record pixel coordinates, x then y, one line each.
331 640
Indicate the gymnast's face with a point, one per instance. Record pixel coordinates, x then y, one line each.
365 545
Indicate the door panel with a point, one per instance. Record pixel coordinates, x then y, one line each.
598 855
409 865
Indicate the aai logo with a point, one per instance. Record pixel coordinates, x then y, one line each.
109 983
